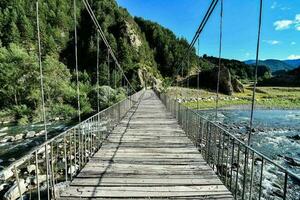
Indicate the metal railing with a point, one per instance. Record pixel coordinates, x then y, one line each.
67 153
247 173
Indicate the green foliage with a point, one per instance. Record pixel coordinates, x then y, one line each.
239 69
167 82
109 96
169 51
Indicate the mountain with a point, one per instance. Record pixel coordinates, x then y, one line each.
146 51
294 63
273 64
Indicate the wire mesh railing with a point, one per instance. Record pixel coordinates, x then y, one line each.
247 173
68 152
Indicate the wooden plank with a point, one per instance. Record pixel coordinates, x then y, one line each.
147 156
141 181
166 191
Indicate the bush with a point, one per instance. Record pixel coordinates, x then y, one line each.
64 111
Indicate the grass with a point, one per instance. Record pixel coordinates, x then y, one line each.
266 97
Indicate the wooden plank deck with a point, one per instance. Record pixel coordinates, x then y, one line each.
147 156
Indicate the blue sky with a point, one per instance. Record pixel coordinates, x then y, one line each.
280 32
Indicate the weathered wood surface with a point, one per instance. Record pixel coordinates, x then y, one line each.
147 156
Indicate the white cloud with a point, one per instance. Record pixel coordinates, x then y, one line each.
294 57
297 18
272 42
282 24
293 43
247 54
274 5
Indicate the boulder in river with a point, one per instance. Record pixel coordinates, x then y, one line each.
19 136
30 168
6 174
7 139
13 192
295 137
292 161
42 178
3 129
30 134
3 134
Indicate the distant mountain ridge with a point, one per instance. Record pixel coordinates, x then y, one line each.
277 65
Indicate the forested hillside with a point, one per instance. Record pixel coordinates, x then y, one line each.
147 52
130 39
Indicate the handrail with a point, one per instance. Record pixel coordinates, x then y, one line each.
240 167
64 132
246 145
69 152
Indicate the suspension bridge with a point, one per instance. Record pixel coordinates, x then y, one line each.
147 146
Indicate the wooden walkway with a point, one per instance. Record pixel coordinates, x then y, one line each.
147 156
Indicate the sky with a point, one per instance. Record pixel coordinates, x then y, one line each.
280 38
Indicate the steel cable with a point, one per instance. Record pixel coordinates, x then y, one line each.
255 75
220 59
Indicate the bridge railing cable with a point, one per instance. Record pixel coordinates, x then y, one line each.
200 29
68 153
111 52
247 173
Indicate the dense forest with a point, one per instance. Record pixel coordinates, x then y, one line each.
137 49
147 52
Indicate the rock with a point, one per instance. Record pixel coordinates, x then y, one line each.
42 178
11 159
292 161
7 139
237 85
208 78
3 129
42 132
13 192
30 168
73 169
6 174
19 136
3 186
59 187
42 150
3 134
257 160
295 137
30 134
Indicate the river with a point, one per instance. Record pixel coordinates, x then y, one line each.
10 151
276 132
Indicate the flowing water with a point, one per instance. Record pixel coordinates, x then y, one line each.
276 132
10 151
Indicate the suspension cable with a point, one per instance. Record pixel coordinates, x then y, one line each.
94 19
198 78
76 61
108 68
42 96
188 68
97 71
41 70
199 31
255 75
220 59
